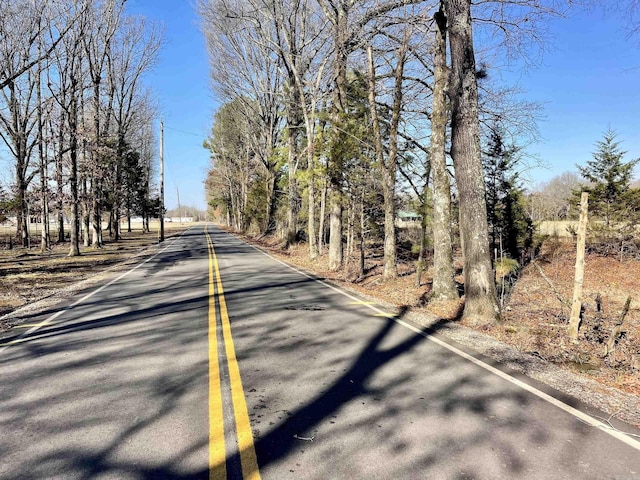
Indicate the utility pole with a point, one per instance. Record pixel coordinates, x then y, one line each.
179 209
161 181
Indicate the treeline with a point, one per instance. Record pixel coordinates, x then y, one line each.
76 117
336 112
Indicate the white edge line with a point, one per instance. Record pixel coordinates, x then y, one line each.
589 420
20 338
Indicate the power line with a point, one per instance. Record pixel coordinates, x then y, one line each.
183 131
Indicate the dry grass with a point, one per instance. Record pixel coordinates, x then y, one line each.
29 275
560 228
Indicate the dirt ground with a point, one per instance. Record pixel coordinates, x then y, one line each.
27 275
535 316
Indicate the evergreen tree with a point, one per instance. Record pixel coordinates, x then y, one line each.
4 205
509 224
609 180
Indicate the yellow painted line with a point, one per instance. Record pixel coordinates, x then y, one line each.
246 447
15 342
217 452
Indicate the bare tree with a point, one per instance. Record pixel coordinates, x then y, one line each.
349 20
481 305
18 98
246 68
300 41
103 21
389 164
443 287
21 28
133 52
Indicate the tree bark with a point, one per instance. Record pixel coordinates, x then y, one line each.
59 184
361 266
74 249
293 121
311 220
341 36
335 230
443 287
323 215
96 190
576 304
44 192
481 304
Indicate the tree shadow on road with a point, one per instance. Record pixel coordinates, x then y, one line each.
378 399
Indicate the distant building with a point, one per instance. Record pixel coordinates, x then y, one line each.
178 219
406 219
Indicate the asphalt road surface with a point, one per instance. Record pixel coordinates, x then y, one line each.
213 360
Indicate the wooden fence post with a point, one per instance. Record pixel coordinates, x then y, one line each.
576 305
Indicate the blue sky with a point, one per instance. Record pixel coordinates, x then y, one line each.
180 82
587 83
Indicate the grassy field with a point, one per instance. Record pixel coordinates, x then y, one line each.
35 230
560 228
28 275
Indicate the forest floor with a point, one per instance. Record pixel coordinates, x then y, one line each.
535 316
29 275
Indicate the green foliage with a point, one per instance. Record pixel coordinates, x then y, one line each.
234 163
609 178
6 204
256 208
613 204
506 267
510 226
134 183
349 138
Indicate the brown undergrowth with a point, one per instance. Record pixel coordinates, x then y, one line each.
536 315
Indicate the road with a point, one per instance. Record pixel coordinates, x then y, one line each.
213 360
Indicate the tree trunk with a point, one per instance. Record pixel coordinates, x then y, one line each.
335 232
423 246
292 204
443 287
339 109
22 224
118 187
361 237
576 305
18 135
293 134
323 215
44 204
74 249
481 304
350 224
389 186
96 216
86 213
59 191
311 220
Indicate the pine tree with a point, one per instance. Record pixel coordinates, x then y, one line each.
4 204
609 179
509 223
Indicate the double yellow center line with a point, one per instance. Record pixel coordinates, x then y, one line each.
217 449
